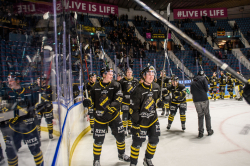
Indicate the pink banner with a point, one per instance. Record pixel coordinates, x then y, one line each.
71 5
198 13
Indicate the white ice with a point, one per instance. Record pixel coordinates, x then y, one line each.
229 146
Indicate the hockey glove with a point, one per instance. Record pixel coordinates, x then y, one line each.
160 104
165 91
176 93
135 130
39 107
246 92
86 103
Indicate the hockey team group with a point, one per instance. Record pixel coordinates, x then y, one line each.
137 101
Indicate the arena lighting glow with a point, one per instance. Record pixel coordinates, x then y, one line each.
228 36
91 33
152 39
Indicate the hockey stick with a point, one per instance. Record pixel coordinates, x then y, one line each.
166 55
197 46
104 59
80 50
86 65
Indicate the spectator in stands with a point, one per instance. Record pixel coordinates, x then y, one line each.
219 29
102 23
179 48
220 55
213 41
159 30
126 17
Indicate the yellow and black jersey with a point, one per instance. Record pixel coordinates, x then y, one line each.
143 104
76 90
213 81
230 82
178 93
223 80
166 81
89 87
127 87
106 98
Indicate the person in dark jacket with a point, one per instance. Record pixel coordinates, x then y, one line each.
199 89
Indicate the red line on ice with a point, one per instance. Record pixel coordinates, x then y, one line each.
229 138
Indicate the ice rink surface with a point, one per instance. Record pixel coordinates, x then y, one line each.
229 146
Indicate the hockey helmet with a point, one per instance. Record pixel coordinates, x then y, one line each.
175 78
106 69
120 74
148 69
201 73
228 74
15 75
91 75
129 68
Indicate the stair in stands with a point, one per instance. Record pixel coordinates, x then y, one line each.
241 57
203 30
242 38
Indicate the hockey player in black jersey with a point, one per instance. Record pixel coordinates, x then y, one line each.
90 84
119 77
213 86
127 84
166 83
106 101
144 117
178 100
23 124
230 85
222 86
45 105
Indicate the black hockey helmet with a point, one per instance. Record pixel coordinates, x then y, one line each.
147 69
175 78
15 75
228 74
129 68
120 74
106 69
91 75
201 73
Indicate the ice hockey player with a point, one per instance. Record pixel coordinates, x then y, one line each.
23 124
239 88
222 86
144 116
178 100
166 83
230 85
90 84
119 77
213 86
45 107
106 97
127 84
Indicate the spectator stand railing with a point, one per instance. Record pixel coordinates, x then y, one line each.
241 58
